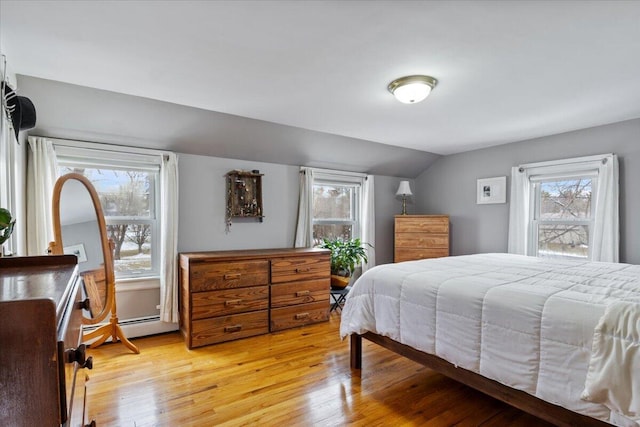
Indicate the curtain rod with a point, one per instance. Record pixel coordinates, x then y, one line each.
587 159
333 172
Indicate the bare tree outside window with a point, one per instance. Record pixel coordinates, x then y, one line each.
334 211
564 218
117 233
139 234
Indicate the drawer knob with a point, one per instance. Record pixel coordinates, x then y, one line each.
232 302
234 328
88 364
300 316
232 276
302 293
84 305
76 355
303 270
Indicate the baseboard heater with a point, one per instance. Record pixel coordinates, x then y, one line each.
140 326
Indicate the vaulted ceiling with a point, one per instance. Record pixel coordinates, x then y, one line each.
507 71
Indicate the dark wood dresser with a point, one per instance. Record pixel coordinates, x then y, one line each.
42 360
228 295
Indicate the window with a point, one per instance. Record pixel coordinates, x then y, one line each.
128 192
566 208
563 216
337 204
336 210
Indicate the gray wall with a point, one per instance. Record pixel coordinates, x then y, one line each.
449 185
202 207
387 206
209 145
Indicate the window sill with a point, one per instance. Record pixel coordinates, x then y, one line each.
137 283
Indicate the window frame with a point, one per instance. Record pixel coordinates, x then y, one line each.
535 222
96 156
343 179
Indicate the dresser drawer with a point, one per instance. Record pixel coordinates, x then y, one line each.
413 254
224 275
229 301
299 315
286 294
421 240
300 268
425 224
226 328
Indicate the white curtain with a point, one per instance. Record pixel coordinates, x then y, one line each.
368 221
169 239
304 229
8 145
606 234
42 172
519 211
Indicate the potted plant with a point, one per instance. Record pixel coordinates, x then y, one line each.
346 256
6 227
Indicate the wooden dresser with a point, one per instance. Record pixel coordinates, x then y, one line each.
42 360
420 236
227 295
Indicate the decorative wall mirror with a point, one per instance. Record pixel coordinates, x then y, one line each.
80 229
244 195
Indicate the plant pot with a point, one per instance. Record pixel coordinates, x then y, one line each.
339 282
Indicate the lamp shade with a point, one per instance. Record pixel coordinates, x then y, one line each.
412 89
404 189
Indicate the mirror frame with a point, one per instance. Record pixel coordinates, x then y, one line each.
57 247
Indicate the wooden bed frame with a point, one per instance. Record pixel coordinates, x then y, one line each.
547 411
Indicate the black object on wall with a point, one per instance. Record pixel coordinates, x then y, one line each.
21 110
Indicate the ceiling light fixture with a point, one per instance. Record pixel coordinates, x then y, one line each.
412 89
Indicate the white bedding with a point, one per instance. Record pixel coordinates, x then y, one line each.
523 321
615 354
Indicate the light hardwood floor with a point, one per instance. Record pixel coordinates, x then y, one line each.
299 377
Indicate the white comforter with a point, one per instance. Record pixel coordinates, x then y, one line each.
523 321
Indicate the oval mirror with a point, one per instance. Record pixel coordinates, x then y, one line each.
80 230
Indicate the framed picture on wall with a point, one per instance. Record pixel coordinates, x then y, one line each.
491 190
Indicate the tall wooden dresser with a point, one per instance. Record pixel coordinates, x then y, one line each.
42 362
420 236
227 295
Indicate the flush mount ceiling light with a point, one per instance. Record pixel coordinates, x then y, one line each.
412 89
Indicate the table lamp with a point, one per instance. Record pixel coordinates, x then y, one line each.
404 190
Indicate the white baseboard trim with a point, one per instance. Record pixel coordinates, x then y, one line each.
150 326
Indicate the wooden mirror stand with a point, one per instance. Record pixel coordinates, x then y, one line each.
77 211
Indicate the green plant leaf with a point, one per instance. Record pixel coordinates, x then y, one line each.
6 225
346 255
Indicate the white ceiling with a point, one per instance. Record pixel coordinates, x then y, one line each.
507 71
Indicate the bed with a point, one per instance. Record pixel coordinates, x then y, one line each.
521 329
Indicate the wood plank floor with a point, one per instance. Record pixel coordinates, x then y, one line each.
299 377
